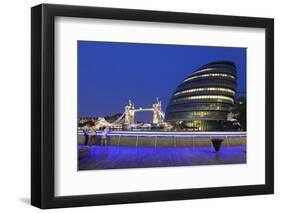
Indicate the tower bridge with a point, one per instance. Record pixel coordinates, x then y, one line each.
128 117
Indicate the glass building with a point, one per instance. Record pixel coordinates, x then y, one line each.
204 98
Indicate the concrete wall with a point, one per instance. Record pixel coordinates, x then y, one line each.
162 141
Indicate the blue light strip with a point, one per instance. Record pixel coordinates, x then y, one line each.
178 134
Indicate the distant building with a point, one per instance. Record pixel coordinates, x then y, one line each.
203 99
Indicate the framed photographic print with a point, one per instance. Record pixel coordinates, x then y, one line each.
139 106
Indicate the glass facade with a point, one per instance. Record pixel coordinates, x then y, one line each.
204 98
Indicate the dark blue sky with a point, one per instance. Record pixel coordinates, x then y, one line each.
109 73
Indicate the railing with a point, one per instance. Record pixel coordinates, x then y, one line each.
160 138
174 134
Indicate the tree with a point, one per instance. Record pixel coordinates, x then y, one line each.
240 111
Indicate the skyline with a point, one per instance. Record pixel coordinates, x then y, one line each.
111 73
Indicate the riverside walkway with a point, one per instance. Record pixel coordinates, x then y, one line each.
143 149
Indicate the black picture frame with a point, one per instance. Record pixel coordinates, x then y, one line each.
43 110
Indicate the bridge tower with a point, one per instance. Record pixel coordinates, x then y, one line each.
129 113
158 115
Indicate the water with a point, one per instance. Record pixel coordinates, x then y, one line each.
117 157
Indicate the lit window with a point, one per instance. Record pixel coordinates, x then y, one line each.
210 75
204 70
205 89
199 97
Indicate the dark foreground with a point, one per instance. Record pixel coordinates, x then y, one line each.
117 157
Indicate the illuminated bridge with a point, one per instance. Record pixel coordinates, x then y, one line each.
128 117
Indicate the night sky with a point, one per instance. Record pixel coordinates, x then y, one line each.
109 73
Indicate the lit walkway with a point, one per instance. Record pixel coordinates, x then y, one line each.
114 157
